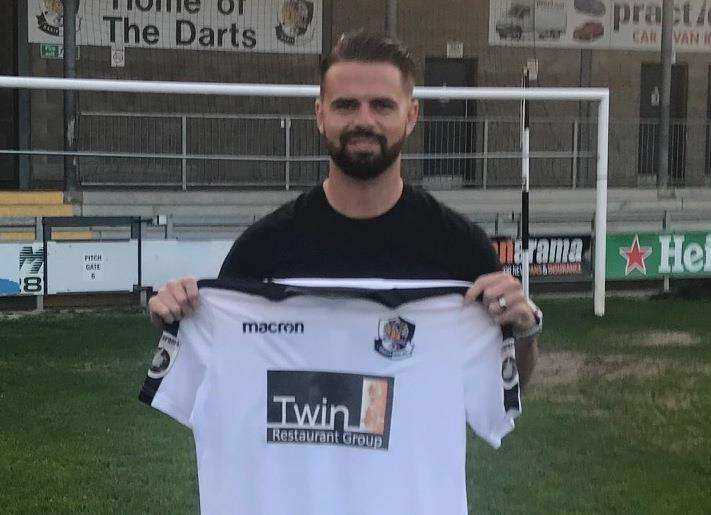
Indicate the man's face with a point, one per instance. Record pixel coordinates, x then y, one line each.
365 112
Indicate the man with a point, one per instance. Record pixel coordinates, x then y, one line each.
363 221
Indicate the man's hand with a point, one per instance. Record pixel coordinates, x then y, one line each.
502 294
174 301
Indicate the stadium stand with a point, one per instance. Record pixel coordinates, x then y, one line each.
41 203
225 214
18 212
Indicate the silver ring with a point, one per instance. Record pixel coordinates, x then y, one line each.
502 302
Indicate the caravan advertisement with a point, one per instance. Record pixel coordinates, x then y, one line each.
601 24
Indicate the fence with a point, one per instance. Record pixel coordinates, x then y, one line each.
271 150
199 150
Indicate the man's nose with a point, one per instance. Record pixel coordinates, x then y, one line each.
364 117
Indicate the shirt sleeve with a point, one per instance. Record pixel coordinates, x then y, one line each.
491 394
487 259
179 367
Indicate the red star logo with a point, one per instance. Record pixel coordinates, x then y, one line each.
635 256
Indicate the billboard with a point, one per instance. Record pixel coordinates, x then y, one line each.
658 255
550 257
21 269
279 26
601 24
163 260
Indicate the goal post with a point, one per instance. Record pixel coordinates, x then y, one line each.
599 95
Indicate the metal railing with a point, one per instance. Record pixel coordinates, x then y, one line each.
199 150
185 151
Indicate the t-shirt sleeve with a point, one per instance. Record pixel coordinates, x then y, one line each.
179 367
491 394
240 262
253 254
488 259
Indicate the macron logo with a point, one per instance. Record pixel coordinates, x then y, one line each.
273 327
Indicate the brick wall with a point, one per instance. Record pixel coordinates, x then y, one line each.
425 26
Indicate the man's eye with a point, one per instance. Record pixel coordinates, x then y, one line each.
383 105
345 105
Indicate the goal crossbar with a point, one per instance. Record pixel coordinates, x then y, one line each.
599 95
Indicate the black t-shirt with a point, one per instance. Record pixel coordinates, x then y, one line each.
419 238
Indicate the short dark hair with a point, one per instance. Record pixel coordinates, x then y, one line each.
371 47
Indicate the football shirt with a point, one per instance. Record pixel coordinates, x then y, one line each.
324 397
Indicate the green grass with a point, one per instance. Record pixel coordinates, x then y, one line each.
630 435
628 432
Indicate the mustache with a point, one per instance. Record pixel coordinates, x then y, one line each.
361 133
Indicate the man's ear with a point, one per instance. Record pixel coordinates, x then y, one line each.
412 113
318 106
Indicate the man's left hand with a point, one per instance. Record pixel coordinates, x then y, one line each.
502 294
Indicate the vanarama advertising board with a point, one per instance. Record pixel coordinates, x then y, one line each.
550 257
655 255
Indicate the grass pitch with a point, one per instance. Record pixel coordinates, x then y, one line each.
616 420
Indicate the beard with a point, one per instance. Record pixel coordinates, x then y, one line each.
363 165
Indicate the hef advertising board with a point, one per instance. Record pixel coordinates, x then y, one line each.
655 256
279 26
602 24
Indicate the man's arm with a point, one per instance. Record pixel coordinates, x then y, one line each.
526 357
503 296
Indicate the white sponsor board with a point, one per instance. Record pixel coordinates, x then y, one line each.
92 266
602 24
105 266
163 260
279 26
21 269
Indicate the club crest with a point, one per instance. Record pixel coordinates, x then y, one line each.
395 338
295 21
165 355
51 16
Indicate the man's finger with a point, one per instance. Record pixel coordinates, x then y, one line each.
174 309
179 296
161 311
191 291
510 317
482 283
509 288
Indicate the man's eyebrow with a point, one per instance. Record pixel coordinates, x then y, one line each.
344 102
384 101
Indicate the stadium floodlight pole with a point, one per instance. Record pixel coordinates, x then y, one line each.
525 174
391 20
663 181
70 97
600 95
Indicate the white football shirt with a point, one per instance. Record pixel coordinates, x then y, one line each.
308 401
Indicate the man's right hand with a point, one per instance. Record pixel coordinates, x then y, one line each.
174 301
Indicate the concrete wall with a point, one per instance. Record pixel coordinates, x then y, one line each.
425 26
